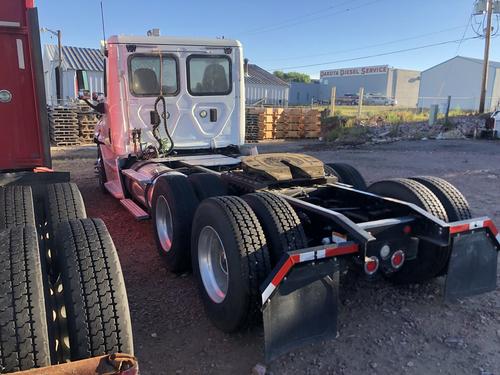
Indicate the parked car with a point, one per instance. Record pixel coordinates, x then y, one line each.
379 100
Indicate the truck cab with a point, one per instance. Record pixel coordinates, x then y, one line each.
200 79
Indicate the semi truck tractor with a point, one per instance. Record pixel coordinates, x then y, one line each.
266 235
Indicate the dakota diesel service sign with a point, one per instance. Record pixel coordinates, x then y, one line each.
361 71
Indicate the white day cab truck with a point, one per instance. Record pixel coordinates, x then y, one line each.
266 236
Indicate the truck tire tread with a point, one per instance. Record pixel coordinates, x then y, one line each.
24 342
282 227
16 206
455 204
94 290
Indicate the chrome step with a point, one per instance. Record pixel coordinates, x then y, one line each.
134 209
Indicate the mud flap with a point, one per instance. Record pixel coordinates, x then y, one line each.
473 265
302 308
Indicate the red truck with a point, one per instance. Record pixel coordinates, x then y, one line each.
63 303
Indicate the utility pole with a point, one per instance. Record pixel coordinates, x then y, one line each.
486 62
59 48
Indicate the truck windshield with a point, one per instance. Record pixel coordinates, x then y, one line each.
144 73
209 75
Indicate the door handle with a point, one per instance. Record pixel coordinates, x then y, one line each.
213 114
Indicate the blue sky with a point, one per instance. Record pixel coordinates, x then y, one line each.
287 34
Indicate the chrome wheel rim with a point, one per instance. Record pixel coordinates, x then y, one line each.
164 226
213 264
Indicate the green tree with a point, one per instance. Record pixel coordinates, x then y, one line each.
293 76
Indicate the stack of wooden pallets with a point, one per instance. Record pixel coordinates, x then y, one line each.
266 124
63 126
282 123
252 124
87 120
312 123
294 118
259 124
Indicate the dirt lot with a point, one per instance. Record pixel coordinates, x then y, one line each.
383 329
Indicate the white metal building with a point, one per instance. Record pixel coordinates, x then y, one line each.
262 87
82 70
460 78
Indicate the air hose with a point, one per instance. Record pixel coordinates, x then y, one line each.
166 146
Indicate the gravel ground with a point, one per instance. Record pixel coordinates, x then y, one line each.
383 329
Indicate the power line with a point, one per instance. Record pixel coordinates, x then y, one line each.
322 10
367 46
376 55
463 35
277 27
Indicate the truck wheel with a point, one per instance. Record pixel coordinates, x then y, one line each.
16 207
230 261
24 342
456 206
281 225
329 171
430 259
207 185
348 175
63 202
173 205
94 292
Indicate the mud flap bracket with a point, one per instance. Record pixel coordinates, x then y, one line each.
302 308
473 264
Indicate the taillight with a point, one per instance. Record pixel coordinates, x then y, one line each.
397 259
371 265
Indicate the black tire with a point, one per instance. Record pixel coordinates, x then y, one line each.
430 259
348 175
176 191
207 185
24 342
16 207
329 172
94 290
456 206
281 225
63 202
247 261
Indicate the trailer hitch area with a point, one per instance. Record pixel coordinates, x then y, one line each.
300 298
472 268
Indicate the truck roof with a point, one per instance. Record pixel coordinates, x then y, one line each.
172 40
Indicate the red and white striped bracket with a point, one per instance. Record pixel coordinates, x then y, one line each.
476 224
306 255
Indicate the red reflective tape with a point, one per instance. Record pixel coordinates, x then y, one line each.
282 272
489 223
295 258
459 228
341 250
